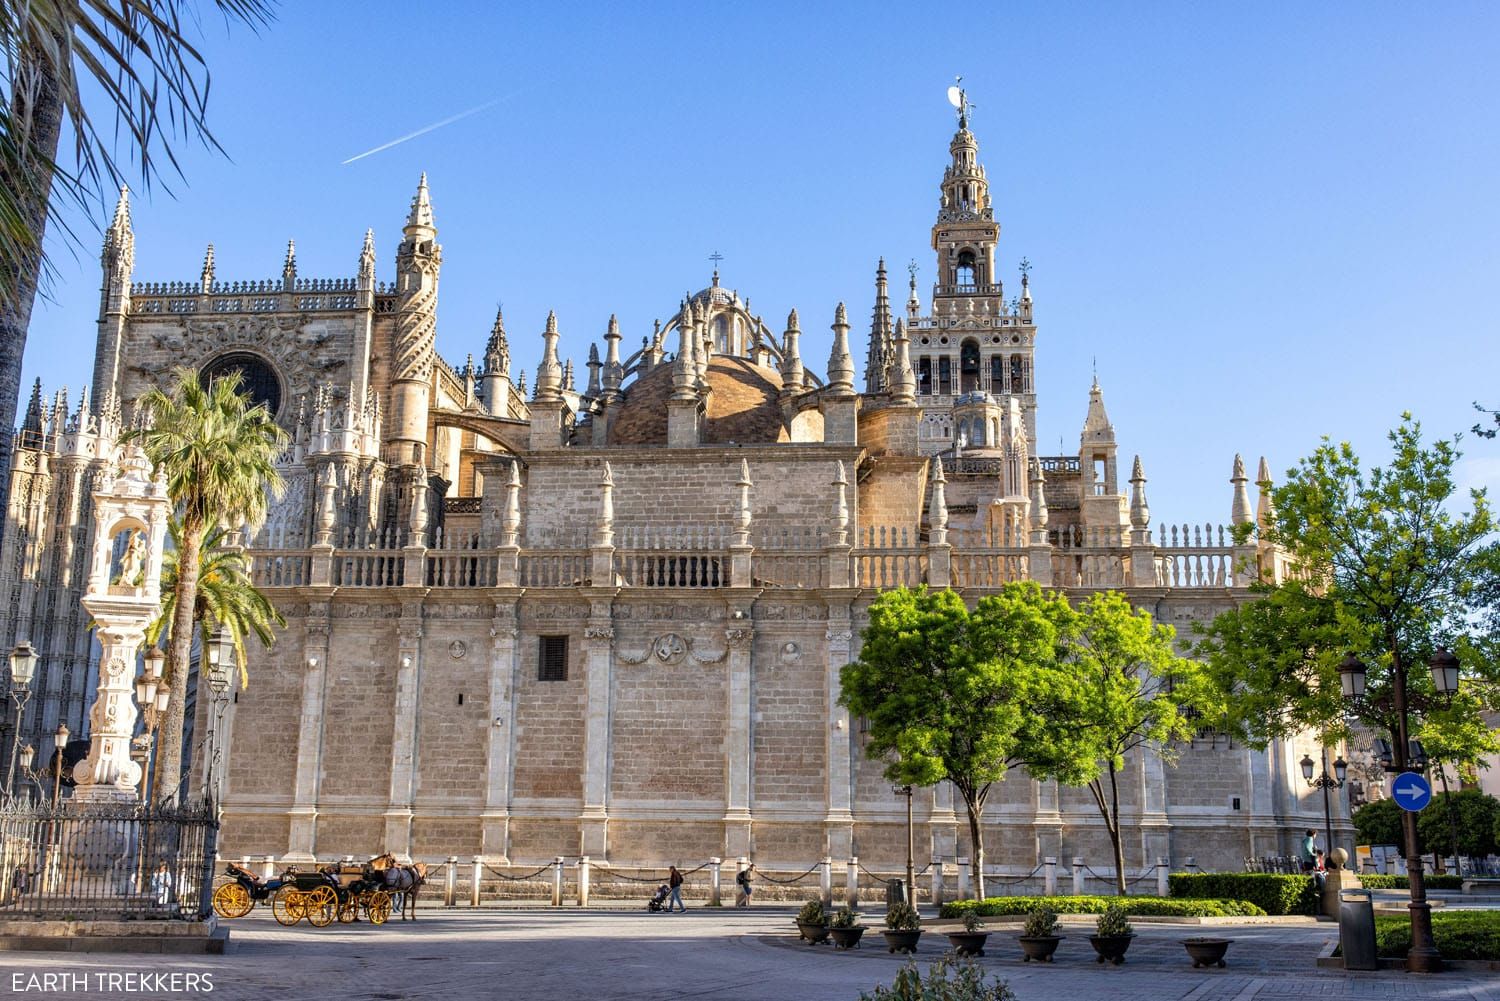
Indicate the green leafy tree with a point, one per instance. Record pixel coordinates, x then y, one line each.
1381 564
1379 823
956 695
66 64
227 598
218 454
1132 693
1474 816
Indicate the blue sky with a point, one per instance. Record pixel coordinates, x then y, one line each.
1265 222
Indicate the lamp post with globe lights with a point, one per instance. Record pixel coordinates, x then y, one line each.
1326 782
22 669
1404 754
153 695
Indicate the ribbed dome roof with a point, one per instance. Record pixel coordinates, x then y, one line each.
742 408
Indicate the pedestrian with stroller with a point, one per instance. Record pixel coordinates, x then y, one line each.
743 881
674 880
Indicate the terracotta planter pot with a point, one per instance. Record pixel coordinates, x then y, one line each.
968 943
813 934
1111 948
902 941
1039 947
1207 951
846 938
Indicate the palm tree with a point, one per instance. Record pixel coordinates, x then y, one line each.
218 454
135 63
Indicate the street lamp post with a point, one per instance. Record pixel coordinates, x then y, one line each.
22 669
153 696
911 872
1407 755
220 656
60 740
1326 783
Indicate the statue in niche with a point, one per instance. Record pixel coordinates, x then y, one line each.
133 561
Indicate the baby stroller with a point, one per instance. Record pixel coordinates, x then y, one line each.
659 899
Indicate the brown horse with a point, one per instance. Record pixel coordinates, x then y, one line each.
396 878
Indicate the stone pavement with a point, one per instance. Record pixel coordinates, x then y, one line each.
716 956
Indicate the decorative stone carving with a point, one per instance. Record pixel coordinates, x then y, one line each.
840 636
789 653
458 649
669 650
598 632
738 638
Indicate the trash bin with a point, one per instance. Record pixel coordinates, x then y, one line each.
895 893
1357 929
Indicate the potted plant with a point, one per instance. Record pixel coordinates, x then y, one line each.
1206 951
903 927
1112 935
1039 935
970 941
845 929
812 922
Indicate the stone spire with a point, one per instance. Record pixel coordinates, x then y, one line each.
1265 511
604 530
497 349
594 364
840 506
742 506
614 372
206 276
913 303
119 240
704 343
521 383
1038 504
684 371
510 521
420 216
568 376
1140 511
903 378
792 376
840 364
289 266
878 357
367 260
1096 427
549 374
939 535
1239 512
33 419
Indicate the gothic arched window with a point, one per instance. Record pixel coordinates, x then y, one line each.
258 379
963 272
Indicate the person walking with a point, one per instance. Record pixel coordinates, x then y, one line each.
743 881
1309 851
674 880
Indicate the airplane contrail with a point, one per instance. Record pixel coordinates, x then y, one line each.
428 128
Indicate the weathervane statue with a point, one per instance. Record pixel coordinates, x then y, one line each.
960 100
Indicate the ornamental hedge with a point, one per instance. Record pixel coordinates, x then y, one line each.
1375 881
1459 934
1271 892
993 907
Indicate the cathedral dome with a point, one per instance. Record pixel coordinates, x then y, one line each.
744 406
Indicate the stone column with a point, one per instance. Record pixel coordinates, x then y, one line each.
839 820
398 815
500 764
739 639
302 830
598 646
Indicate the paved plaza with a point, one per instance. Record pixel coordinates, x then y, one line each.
718 956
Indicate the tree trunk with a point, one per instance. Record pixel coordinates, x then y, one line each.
1113 823
169 731
976 841
34 94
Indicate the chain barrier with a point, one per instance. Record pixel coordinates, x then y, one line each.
605 870
1148 874
794 879
998 880
516 879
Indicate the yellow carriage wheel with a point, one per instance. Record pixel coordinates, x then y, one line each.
322 906
232 901
286 905
377 906
349 909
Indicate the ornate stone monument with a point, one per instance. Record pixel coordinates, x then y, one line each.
123 596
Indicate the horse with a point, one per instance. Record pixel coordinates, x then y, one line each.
396 878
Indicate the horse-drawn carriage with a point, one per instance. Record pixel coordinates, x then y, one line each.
331 893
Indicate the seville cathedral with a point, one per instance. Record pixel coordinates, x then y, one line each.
605 614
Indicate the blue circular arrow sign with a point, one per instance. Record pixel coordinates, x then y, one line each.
1411 791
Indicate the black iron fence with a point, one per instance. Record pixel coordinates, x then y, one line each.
95 861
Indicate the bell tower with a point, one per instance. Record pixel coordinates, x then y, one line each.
966 233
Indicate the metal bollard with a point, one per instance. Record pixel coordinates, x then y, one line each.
450 880
583 881
715 896
1049 875
1162 865
937 882
474 882
268 867
825 883
963 879
557 881
1077 876
851 897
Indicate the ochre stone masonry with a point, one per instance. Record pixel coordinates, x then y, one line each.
702 520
